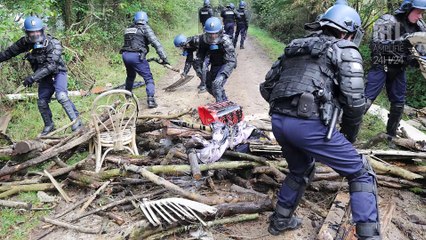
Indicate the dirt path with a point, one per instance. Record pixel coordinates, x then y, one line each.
242 87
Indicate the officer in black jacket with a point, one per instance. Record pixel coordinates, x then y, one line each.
44 53
189 47
137 37
316 77
205 12
217 49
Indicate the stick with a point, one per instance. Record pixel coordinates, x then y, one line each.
13 204
119 202
62 128
70 226
387 216
72 207
58 186
193 162
172 187
93 197
334 217
171 116
4 122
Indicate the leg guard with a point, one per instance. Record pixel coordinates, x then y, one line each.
46 115
368 103
395 115
283 219
69 108
369 228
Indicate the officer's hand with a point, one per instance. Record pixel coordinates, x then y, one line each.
219 79
28 82
165 61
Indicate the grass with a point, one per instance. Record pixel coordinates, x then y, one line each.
17 224
273 47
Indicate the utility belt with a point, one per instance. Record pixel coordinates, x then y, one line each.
301 106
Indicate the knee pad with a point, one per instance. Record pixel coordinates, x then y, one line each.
62 97
42 103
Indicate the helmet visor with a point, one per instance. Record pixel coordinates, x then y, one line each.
211 38
35 36
359 34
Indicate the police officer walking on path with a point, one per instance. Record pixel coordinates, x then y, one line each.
314 76
189 46
390 57
242 24
229 17
44 53
137 37
217 47
205 12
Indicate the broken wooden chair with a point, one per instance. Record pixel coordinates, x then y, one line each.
118 131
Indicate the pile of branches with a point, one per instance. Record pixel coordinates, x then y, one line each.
239 185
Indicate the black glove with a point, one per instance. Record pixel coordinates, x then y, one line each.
165 61
28 82
218 81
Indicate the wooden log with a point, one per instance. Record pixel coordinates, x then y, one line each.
29 145
392 153
402 142
315 208
169 116
334 217
394 170
404 182
263 178
329 186
54 151
87 181
238 189
15 204
148 126
278 175
11 190
172 187
387 216
193 162
58 186
70 226
4 122
72 207
229 209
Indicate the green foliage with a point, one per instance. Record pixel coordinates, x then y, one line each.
273 47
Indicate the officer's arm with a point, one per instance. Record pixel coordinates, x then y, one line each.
52 61
351 82
17 48
152 39
230 58
188 62
210 12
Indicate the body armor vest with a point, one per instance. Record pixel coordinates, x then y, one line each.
38 58
134 40
228 16
242 16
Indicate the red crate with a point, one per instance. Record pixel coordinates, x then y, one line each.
226 112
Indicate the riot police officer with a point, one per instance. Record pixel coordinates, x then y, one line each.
205 12
137 37
315 75
44 53
189 46
216 48
390 57
242 24
229 17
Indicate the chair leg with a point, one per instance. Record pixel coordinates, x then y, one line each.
98 152
103 157
134 145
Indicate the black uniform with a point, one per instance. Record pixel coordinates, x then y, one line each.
242 26
205 13
223 60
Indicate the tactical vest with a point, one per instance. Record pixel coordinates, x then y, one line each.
307 75
204 14
38 58
228 16
134 40
242 19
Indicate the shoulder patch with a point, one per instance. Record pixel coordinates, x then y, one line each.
130 31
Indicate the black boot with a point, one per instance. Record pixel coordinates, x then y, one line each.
46 115
69 109
395 115
368 231
151 102
282 220
242 46
368 103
